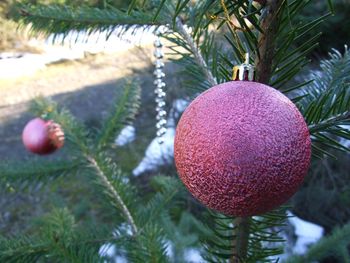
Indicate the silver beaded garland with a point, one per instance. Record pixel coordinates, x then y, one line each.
159 86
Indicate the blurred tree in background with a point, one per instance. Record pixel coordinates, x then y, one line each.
7 28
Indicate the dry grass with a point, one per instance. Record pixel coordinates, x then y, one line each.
10 36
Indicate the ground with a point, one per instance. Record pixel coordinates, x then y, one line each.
85 86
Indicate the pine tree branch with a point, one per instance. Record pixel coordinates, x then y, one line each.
240 242
160 202
125 109
63 19
35 171
335 120
267 41
22 249
196 52
115 194
233 29
87 20
326 104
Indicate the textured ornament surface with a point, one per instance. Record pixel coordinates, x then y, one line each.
42 137
242 148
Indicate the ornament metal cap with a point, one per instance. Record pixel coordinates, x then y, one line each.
244 71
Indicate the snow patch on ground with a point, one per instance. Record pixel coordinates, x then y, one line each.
160 154
179 106
126 136
343 141
157 154
169 249
193 256
307 233
104 41
109 251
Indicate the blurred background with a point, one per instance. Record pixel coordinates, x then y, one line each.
82 73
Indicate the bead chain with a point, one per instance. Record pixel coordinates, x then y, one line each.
159 87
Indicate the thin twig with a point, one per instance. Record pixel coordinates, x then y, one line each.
233 28
240 242
196 52
266 46
267 41
115 194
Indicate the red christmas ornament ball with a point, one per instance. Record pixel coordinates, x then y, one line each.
242 148
42 137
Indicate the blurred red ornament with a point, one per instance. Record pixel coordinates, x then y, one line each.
42 137
242 148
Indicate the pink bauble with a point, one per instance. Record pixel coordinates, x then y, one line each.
42 137
242 148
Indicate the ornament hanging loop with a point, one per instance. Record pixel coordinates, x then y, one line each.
244 71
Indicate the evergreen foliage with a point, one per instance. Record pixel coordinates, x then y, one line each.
263 242
35 171
208 37
334 29
123 113
326 108
63 19
61 239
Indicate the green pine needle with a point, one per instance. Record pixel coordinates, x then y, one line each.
34 171
57 19
126 107
327 107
